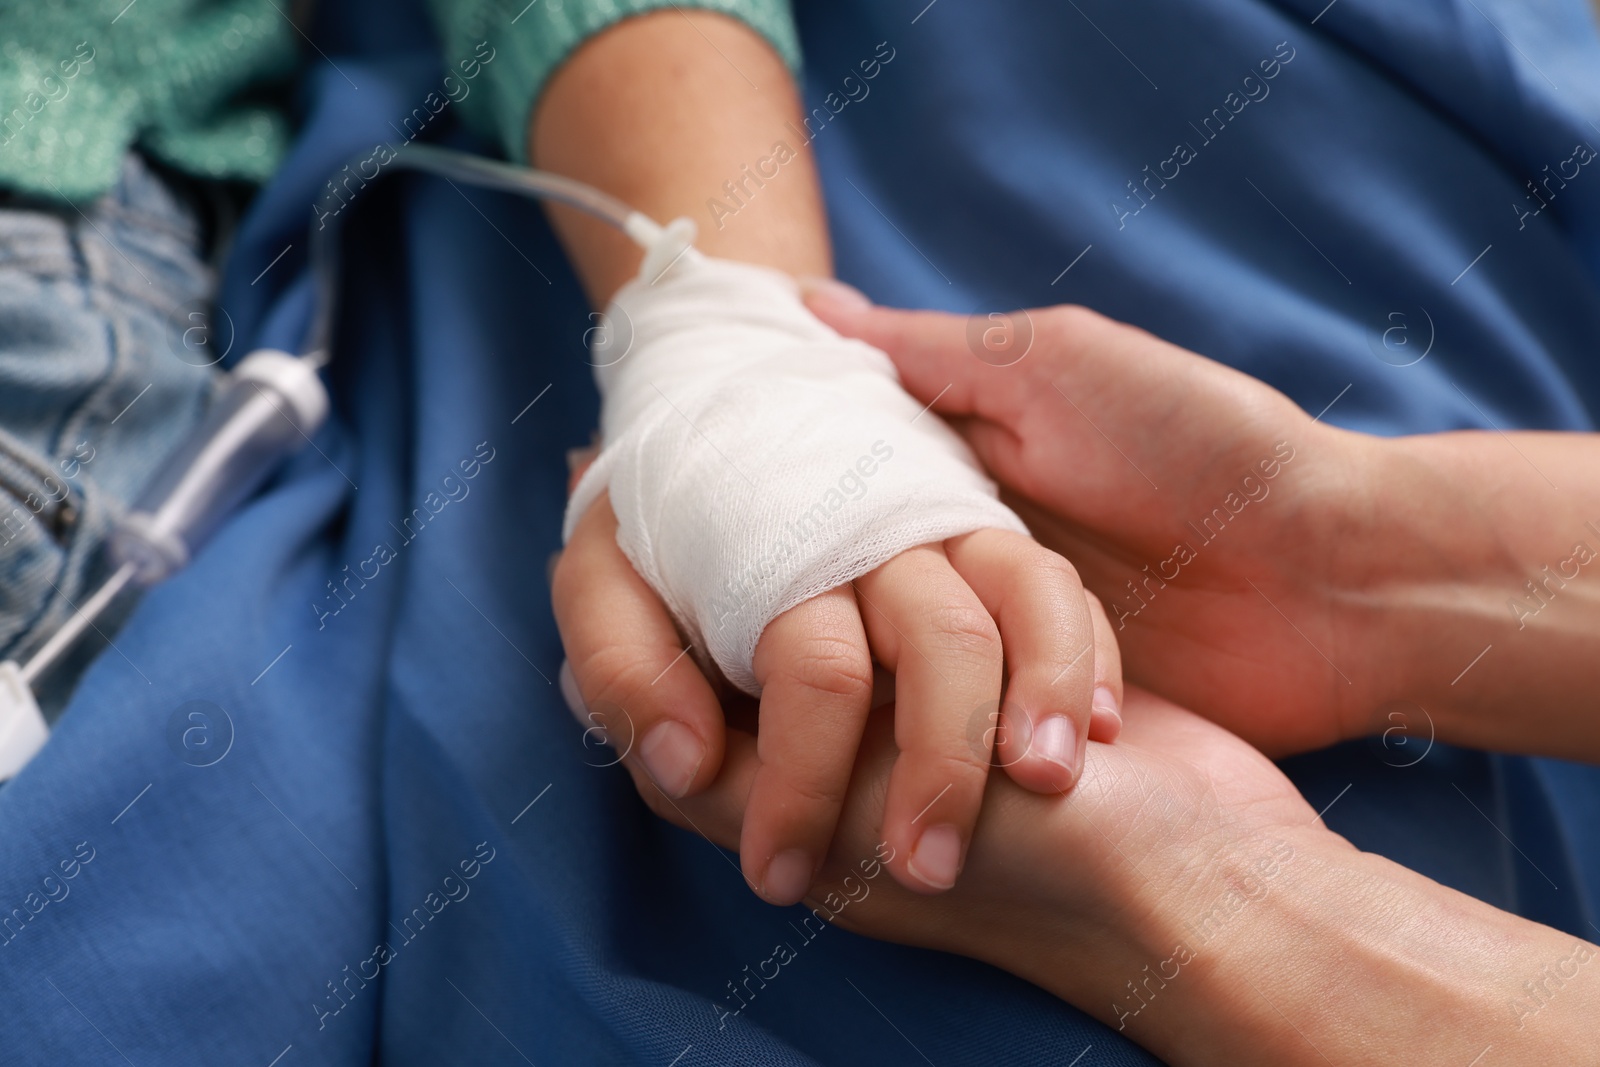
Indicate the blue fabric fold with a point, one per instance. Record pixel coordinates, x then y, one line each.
384 838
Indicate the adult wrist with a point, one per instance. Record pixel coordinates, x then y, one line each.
1293 948
1349 950
1353 543
1481 604
1417 575
1129 934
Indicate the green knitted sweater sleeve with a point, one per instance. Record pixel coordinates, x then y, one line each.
190 81
528 41
198 83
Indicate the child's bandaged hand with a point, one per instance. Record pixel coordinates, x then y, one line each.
800 517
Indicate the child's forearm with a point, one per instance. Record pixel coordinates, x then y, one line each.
664 111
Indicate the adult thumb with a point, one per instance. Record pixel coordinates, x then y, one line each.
930 349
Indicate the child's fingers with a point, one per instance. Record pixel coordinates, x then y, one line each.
717 812
816 690
1049 637
654 705
1105 714
928 627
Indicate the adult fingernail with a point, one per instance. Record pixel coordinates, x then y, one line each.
936 859
672 755
569 693
1056 740
788 877
833 293
576 457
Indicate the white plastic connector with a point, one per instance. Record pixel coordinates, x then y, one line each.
23 731
673 243
644 230
155 552
294 379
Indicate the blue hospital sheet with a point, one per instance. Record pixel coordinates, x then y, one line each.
338 730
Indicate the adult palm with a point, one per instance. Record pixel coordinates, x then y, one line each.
1060 890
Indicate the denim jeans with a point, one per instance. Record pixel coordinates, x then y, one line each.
106 361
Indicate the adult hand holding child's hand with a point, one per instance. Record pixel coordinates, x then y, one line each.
1295 582
800 516
1198 502
1121 897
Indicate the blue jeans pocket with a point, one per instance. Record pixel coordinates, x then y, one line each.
39 511
93 395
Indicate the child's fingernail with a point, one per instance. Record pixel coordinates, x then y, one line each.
837 293
672 755
936 859
1105 717
788 877
1055 740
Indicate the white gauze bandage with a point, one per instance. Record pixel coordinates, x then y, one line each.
756 458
